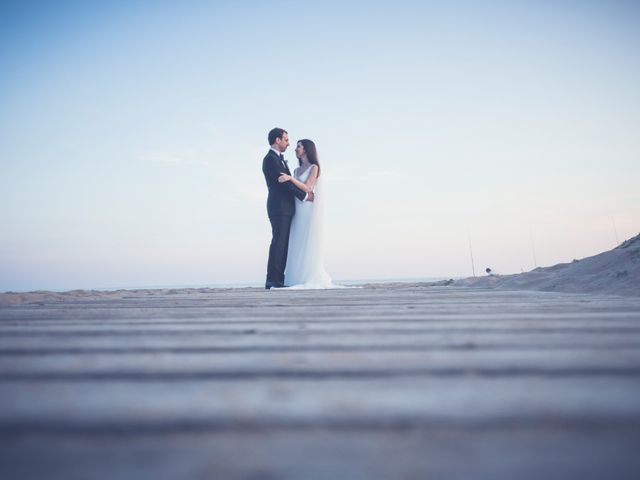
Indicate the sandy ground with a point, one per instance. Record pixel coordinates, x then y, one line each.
616 272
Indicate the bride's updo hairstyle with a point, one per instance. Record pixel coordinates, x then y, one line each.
312 153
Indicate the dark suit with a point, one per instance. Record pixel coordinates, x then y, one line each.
280 208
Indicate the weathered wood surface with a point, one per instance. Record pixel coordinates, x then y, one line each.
396 381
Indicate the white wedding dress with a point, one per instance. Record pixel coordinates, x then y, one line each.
304 267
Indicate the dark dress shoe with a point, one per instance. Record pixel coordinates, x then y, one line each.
269 285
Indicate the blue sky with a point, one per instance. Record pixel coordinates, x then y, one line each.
131 135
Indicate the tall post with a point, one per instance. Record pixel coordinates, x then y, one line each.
615 230
473 267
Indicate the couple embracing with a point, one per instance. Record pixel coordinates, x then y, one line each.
294 206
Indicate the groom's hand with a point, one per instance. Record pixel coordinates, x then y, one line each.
310 197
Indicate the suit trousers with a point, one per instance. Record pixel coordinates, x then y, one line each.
280 227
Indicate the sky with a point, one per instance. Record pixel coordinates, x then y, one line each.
132 136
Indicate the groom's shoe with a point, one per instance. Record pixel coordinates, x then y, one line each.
269 285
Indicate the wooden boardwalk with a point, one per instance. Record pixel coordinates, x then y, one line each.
382 382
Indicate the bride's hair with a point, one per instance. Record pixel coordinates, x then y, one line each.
311 151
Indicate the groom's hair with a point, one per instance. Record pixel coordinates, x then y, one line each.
276 133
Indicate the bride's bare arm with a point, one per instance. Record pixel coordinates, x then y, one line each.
306 186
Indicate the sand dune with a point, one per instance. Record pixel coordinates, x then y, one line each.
614 272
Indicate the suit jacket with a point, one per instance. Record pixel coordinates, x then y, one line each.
281 195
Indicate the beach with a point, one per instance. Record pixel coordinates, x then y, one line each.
382 381
448 189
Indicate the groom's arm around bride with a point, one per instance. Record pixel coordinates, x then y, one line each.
280 194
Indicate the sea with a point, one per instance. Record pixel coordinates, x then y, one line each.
248 284
251 284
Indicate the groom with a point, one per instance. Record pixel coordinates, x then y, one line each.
280 206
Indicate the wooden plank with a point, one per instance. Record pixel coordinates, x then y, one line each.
479 362
465 399
315 454
301 340
378 382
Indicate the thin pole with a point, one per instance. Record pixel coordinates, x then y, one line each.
615 230
473 267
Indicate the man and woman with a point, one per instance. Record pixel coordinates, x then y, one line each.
295 207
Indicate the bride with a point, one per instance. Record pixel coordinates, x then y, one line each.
304 267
